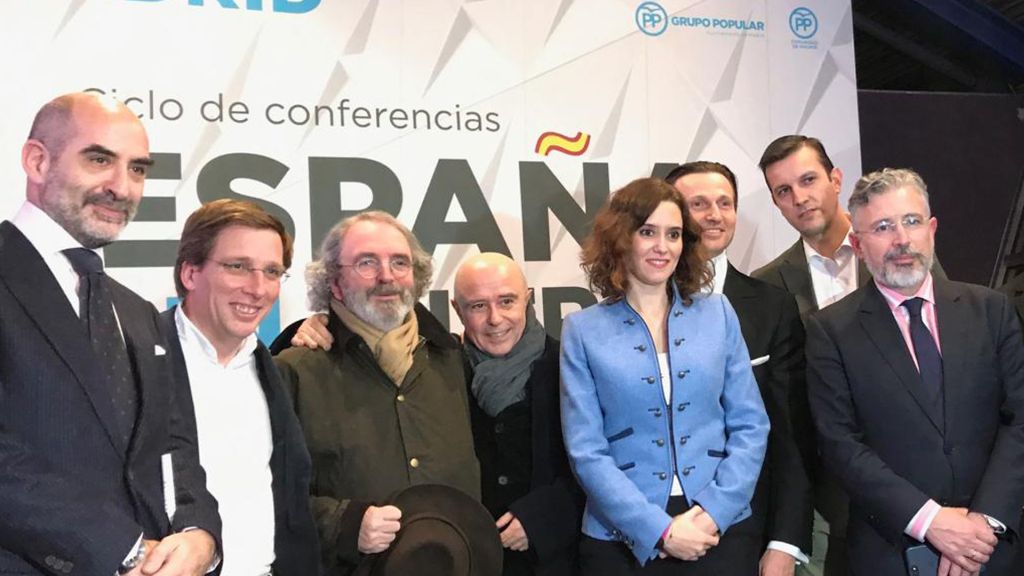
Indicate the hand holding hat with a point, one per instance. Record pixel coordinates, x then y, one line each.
378 529
444 532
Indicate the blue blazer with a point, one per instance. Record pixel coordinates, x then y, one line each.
625 444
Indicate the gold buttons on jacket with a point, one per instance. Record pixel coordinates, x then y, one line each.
414 462
400 397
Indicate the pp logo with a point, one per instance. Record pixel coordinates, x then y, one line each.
651 18
803 23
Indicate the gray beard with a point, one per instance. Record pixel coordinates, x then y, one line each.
384 316
70 217
901 278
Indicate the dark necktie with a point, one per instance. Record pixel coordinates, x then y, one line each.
929 362
96 311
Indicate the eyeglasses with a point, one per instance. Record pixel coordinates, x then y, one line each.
369 267
910 223
243 270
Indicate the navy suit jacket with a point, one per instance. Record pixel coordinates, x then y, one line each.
73 497
889 448
296 544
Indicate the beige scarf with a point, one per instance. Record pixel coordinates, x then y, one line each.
393 350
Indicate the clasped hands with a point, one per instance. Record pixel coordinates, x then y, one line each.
690 535
964 539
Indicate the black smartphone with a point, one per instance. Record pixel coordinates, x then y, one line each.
921 561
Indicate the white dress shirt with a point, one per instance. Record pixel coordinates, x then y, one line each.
235 445
832 278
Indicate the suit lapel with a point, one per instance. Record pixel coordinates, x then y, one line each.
735 287
277 411
32 283
140 350
797 276
743 298
884 333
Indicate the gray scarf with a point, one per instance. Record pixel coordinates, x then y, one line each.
500 381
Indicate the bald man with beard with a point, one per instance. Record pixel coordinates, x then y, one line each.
89 430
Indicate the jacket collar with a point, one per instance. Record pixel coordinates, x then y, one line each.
676 308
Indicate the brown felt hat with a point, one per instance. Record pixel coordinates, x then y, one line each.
444 532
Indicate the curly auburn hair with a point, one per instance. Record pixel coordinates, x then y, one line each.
606 249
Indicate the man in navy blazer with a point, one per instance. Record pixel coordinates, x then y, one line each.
231 260
84 489
916 386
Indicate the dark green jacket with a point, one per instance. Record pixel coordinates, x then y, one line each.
369 438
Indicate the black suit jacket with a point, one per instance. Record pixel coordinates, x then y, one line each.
296 544
890 452
782 505
73 497
551 512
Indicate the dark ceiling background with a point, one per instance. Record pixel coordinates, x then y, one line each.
940 45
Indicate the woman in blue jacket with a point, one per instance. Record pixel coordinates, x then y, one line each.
662 418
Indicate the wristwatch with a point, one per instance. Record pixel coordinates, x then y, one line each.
132 563
996 526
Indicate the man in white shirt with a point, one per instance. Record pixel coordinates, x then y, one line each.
89 432
818 269
780 526
232 258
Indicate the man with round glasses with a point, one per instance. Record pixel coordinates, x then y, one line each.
386 407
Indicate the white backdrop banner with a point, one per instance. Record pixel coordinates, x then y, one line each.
496 125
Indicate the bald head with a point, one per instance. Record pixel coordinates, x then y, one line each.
491 297
55 121
85 161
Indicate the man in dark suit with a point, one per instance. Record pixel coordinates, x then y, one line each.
782 505
916 386
232 258
818 269
89 433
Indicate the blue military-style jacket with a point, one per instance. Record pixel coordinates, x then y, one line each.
625 444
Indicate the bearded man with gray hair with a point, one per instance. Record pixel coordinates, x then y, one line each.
916 385
386 407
